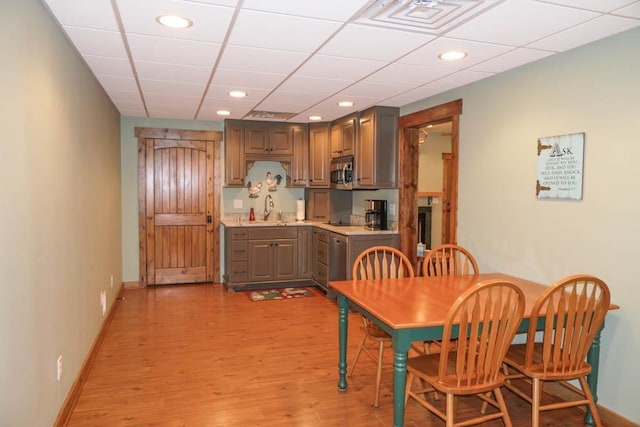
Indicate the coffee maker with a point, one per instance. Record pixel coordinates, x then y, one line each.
375 214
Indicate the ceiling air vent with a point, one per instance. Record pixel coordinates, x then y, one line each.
435 17
269 115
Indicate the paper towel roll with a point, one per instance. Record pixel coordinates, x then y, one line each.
299 210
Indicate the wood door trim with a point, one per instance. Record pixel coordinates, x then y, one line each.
408 178
193 139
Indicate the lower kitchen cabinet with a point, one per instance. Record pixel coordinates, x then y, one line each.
261 255
280 254
273 260
320 254
359 243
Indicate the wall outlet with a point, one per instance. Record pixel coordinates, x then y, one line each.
392 209
237 203
59 364
103 302
112 280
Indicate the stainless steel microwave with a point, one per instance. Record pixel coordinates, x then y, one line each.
341 173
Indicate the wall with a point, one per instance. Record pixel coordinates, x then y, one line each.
592 89
60 213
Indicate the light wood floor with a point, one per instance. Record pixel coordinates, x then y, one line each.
200 356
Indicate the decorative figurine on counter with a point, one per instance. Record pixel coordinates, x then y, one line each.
253 191
273 182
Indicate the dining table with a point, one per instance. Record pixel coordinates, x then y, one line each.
414 309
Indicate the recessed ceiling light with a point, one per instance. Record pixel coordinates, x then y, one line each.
174 21
346 104
237 94
315 118
223 112
452 55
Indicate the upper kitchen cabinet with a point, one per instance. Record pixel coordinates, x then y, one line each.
319 158
235 166
376 150
300 157
344 133
268 139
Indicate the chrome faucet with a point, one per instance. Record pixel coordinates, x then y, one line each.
268 206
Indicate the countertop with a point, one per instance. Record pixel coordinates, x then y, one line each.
347 230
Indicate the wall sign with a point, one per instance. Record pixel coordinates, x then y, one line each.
560 162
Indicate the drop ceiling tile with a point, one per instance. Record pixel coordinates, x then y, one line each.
283 32
452 81
171 112
238 108
297 100
176 88
518 23
97 42
330 105
125 96
250 79
336 10
96 14
221 93
477 52
377 44
313 85
596 5
632 11
230 3
173 51
172 72
158 98
347 68
110 83
280 108
109 66
210 22
129 104
270 60
375 90
409 75
588 32
511 59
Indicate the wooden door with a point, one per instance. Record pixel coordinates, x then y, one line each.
179 198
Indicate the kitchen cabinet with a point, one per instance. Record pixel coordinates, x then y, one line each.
328 205
358 243
268 138
319 156
261 254
334 253
343 136
320 253
237 254
318 205
376 152
235 166
305 248
300 157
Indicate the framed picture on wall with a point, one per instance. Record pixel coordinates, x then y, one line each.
560 167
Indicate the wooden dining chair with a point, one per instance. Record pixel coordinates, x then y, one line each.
573 310
378 262
484 319
447 260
